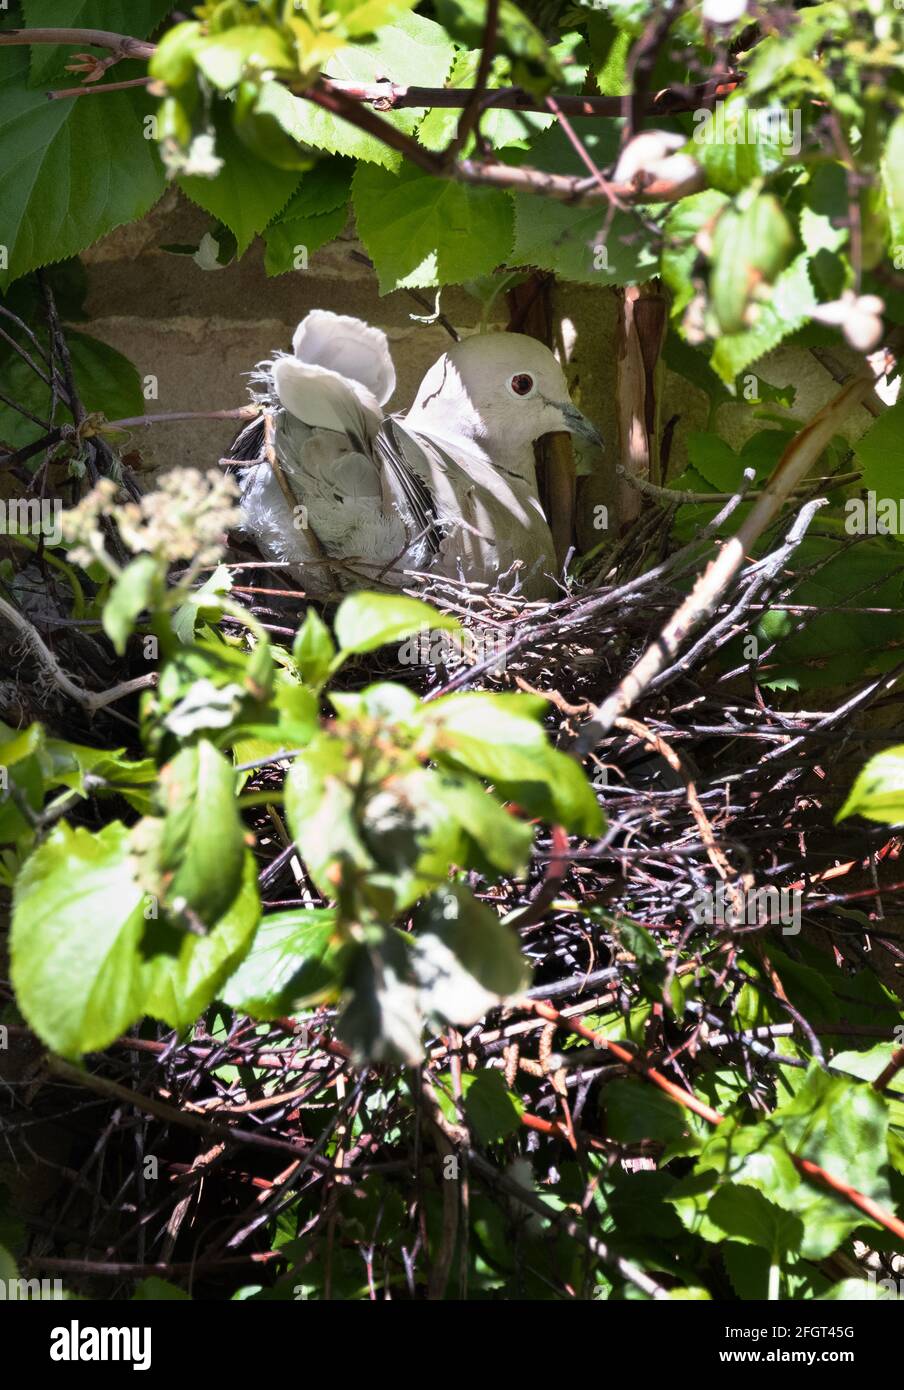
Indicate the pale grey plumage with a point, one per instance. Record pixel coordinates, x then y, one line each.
450 487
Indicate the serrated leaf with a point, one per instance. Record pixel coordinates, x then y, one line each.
746 1215
77 922
247 193
290 239
789 306
366 621
48 61
414 50
420 230
52 202
574 243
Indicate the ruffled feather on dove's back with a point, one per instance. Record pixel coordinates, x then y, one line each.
450 488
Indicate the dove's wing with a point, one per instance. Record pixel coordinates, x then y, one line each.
350 348
485 520
323 506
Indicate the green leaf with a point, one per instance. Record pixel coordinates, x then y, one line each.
157 1290
131 594
498 127
367 621
635 1111
202 603
750 248
610 48
364 16
52 202
16 746
412 841
491 1108
70 764
731 159
320 807
498 737
861 1290
77 922
499 838
380 1019
420 230
261 133
313 649
570 241
684 223
224 58
414 50
181 973
789 306
106 381
893 180
382 700
534 64
746 1215
878 792
135 17
315 215
881 456
202 840
843 1127
465 960
293 964
247 193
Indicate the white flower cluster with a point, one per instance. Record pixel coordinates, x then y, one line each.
185 519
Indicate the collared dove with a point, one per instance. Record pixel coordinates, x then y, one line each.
355 497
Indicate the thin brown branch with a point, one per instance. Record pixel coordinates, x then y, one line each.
88 91
796 462
470 116
393 96
123 45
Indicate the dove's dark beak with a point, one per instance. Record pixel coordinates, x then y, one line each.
576 423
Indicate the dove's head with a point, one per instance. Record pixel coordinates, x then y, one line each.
503 390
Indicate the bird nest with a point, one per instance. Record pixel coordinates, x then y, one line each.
710 781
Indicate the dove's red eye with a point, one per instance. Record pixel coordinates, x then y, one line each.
522 384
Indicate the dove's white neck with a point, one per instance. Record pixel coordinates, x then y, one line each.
443 410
